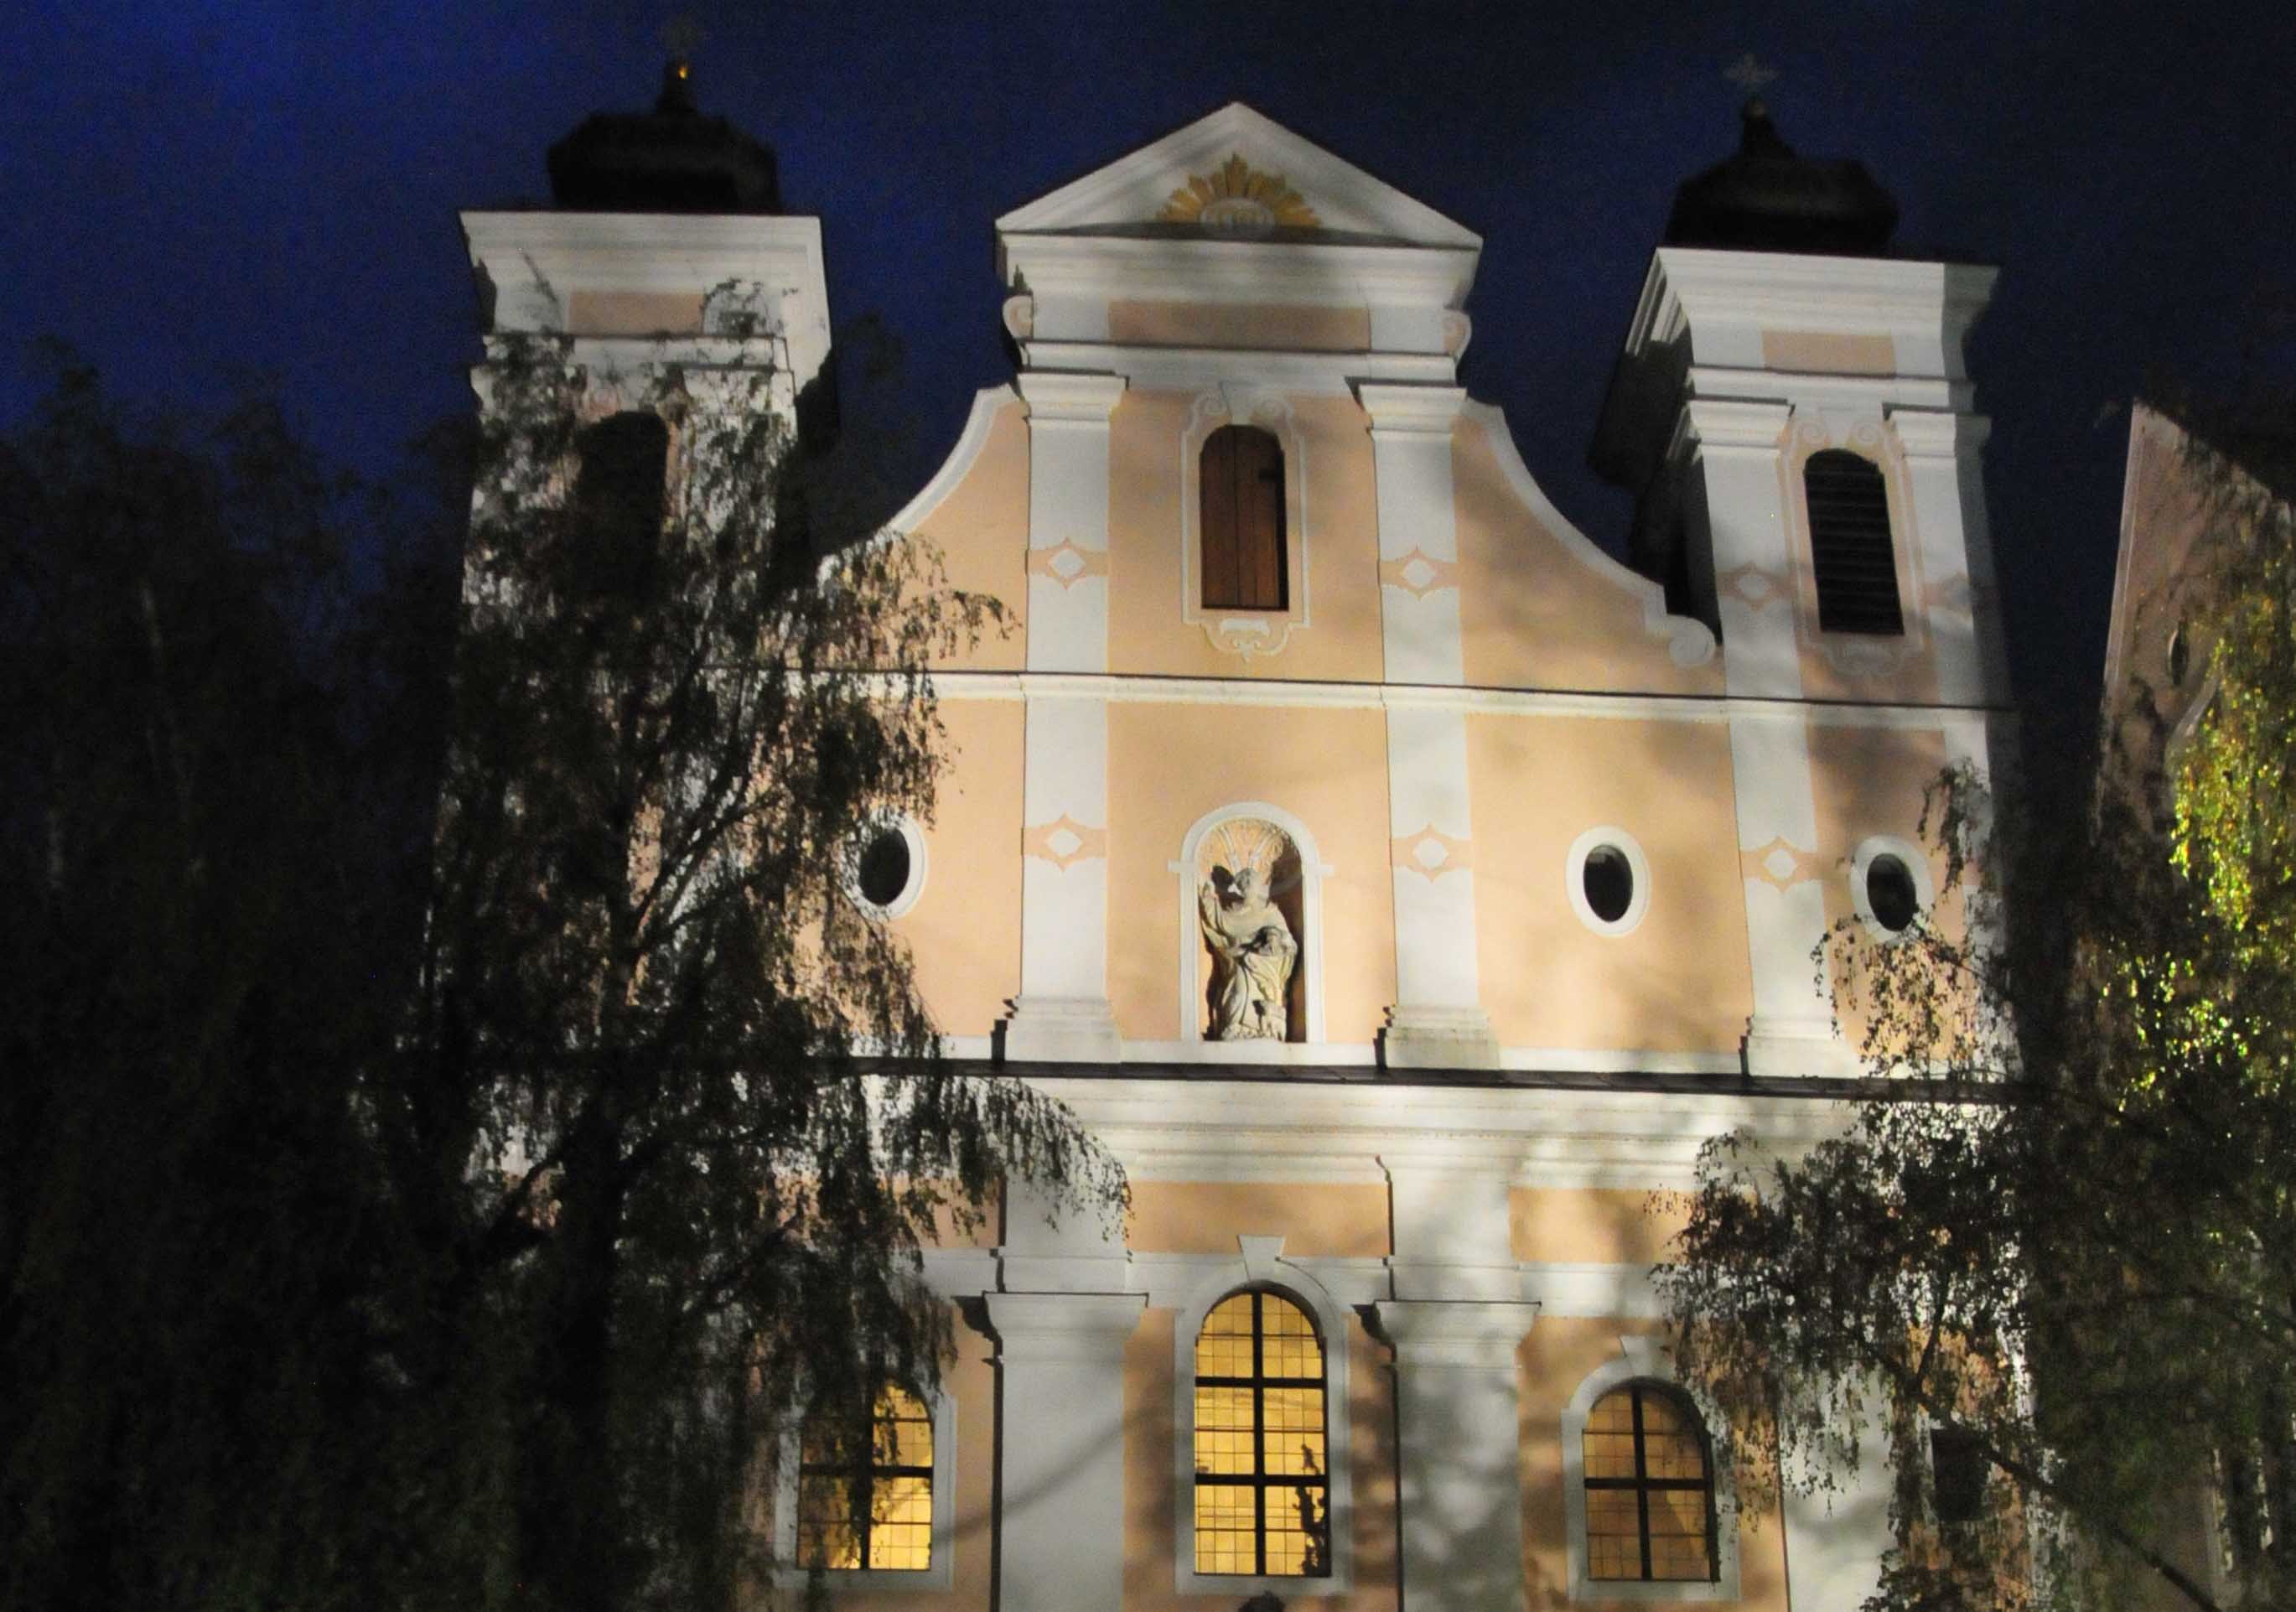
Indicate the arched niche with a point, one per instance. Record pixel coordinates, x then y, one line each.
1277 845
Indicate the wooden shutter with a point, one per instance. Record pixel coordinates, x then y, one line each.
1849 546
1242 557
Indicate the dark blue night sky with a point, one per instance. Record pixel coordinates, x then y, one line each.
195 192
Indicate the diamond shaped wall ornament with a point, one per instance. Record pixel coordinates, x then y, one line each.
1780 863
1419 573
1067 564
1751 583
1065 841
1430 853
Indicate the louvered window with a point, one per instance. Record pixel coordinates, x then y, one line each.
1856 563
1242 473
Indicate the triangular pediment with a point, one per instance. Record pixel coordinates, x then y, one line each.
1239 175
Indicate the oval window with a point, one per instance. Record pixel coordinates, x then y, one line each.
2180 658
884 871
1891 894
1607 878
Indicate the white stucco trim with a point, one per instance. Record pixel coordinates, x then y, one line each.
1237 631
1312 871
1640 1359
1133 187
1259 1263
1861 862
858 1580
1688 641
987 403
913 838
1564 703
1574 879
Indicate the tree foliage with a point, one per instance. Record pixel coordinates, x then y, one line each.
458 1111
2065 1235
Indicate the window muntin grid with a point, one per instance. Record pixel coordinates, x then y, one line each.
1261 1450
879 1517
1650 1489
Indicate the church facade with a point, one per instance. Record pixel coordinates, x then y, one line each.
1403 888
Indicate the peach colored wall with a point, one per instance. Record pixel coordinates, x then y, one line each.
632 313
1599 1225
981 529
1171 764
1320 330
1336 1219
965 930
1534 615
970 1379
1151 1487
1147 632
1867 781
1680 981
1829 353
1557 1355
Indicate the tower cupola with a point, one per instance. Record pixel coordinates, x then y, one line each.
1767 197
671 159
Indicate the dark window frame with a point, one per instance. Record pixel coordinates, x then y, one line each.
846 1470
1227 577
1853 544
1643 1485
1263 1483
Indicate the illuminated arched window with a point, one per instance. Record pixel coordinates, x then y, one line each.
864 1492
1262 1494
1240 485
1850 549
1650 1488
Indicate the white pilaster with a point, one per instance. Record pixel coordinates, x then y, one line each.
1060 1448
1738 447
1063 1013
1945 481
1068 518
1411 430
1438 1019
1461 1487
1454 1235
1838 1529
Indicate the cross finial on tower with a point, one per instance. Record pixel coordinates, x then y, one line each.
679 36
1749 73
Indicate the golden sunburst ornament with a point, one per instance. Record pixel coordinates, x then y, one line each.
1237 199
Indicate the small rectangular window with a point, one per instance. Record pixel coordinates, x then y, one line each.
1957 1470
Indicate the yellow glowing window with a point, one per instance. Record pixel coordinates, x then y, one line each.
1261 1489
1650 1488
865 1499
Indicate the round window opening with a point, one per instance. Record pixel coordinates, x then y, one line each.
1890 894
883 873
1608 879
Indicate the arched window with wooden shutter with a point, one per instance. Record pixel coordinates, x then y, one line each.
1851 548
1241 564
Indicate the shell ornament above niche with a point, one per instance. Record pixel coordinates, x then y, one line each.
1236 199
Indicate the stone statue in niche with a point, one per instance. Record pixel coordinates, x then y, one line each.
1253 954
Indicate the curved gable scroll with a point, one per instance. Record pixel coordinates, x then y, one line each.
974 510
1581 620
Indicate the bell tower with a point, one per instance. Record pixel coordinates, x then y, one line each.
665 244
1794 415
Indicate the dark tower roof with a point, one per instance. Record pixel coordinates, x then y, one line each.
1766 199
671 159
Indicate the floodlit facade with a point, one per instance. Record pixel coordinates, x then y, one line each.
1402 886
